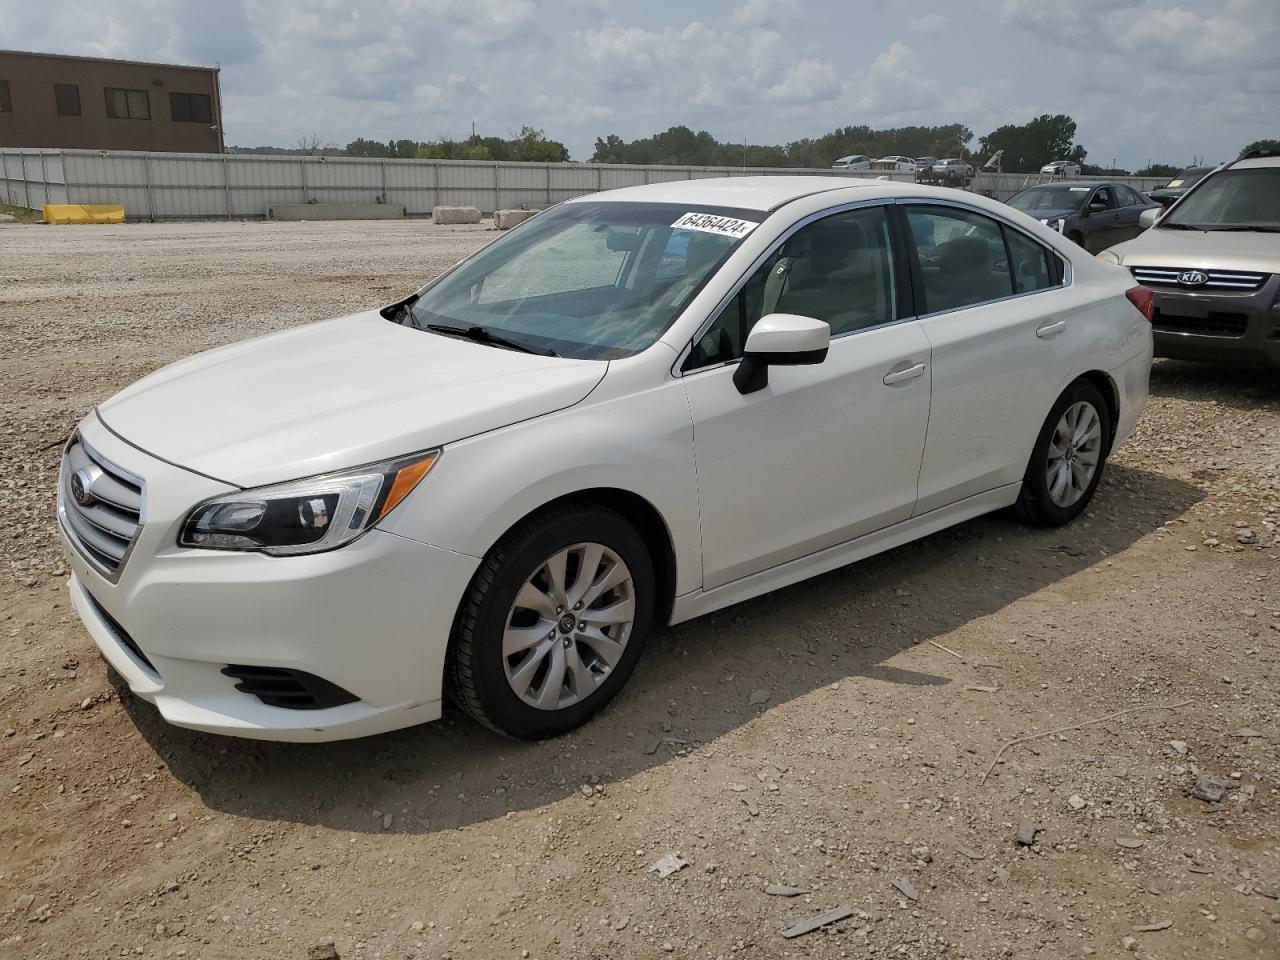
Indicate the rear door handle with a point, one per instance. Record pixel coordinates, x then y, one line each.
1051 329
902 376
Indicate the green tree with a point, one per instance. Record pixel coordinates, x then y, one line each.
532 146
1157 170
1028 147
1272 146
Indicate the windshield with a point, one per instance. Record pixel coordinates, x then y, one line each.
1239 198
1049 198
591 280
1189 177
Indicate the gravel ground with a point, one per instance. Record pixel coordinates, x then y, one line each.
834 737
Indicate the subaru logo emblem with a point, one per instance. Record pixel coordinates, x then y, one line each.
82 487
1192 278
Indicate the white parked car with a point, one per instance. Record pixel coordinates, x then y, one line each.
856 162
1061 168
953 169
633 409
902 164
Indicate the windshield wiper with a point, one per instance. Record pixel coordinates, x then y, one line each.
480 334
1242 228
1180 226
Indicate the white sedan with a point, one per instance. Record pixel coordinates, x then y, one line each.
634 409
900 164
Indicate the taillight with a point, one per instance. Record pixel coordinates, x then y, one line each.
1144 298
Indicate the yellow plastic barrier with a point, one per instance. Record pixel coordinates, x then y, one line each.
84 213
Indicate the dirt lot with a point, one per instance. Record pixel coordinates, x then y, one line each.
891 687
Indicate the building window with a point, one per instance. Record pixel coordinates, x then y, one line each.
128 104
68 97
6 105
192 107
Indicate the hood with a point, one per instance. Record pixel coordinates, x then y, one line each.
336 394
1193 250
1049 216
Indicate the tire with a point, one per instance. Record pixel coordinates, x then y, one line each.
1041 502
483 680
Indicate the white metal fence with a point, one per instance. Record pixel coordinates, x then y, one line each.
156 186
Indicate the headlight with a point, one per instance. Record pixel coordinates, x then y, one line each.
1106 256
306 516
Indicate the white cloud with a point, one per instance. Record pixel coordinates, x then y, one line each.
928 23
759 13
809 81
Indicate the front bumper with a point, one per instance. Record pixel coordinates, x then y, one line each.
1219 326
373 618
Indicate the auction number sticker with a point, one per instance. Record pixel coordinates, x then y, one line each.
710 223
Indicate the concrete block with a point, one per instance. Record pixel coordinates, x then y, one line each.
335 211
455 215
506 219
84 213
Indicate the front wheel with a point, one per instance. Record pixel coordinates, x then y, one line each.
553 622
1068 458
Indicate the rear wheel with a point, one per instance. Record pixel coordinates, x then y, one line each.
553 622
1068 458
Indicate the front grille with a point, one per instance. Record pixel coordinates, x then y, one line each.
291 689
105 518
1238 280
1214 325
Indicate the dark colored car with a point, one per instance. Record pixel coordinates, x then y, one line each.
1179 185
1095 215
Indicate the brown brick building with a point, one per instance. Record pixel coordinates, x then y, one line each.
51 100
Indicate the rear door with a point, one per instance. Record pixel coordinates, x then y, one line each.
992 307
1131 204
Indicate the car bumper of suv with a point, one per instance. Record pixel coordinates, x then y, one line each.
319 647
1219 326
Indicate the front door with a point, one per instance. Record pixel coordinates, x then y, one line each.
824 453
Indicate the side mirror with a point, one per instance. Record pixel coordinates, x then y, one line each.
1097 206
780 339
1148 218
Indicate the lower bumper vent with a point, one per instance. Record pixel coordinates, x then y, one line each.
290 689
121 634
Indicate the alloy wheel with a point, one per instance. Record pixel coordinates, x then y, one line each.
1074 453
568 626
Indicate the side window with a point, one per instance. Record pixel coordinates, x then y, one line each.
962 258
1128 196
1032 269
838 269
1104 194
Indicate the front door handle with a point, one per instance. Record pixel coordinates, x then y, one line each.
1051 329
902 376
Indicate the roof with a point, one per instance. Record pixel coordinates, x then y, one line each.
746 193
132 63
1256 163
1070 185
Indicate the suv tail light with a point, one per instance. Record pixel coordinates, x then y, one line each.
1144 299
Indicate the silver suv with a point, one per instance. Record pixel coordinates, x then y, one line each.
1213 261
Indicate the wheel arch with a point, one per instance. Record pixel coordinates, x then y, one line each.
647 520
1110 392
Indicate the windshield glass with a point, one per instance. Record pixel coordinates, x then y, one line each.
1243 198
592 280
1049 198
1190 177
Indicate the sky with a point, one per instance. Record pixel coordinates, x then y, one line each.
1162 80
